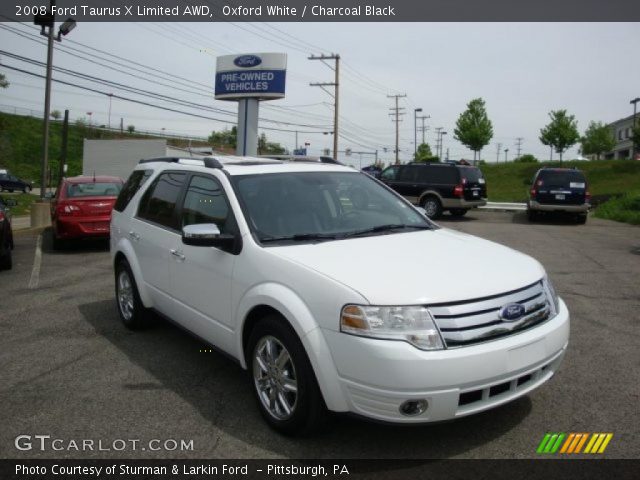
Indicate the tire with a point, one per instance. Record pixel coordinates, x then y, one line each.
532 215
458 212
581 219
132 312
6 262
432 207
57 243
288 385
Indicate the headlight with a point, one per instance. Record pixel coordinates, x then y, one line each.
412 324
552 293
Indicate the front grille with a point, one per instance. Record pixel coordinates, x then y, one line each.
475 321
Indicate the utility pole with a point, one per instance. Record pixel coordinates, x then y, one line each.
336 94
415 131
519 145
47 100
65 143
109 120
442 134
438 130
396 118
498 152
423 129
506 151
121 125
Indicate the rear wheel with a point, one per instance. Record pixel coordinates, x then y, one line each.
532 215
581 219
432 207
132 312
458 212
283 380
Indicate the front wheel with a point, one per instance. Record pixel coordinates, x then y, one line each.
6 261
283 380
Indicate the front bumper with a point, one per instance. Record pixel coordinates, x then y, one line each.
82 227
377 376
548 207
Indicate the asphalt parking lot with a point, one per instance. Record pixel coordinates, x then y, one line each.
70 370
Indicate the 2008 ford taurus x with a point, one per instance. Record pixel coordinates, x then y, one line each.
333 291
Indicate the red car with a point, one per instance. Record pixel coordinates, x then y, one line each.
82 208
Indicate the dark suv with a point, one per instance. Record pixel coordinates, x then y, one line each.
6 234
559 190
438 187
10 183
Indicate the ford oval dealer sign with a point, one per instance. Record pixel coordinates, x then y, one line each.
256 75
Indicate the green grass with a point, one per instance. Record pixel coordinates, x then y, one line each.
625 208
24 202
510 182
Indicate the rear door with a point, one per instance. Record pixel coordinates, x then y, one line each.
473 183
561 187
155 231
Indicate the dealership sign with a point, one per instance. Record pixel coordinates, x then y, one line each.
256 75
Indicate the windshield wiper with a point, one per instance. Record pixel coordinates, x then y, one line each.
299 237
386 228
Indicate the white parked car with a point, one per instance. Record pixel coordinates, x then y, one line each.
333 291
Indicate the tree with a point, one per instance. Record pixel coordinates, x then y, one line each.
598 138
55 114
473 128
224 138
561 132
526 158
424 154
4 83
131 128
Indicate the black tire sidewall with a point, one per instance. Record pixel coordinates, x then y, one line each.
310 405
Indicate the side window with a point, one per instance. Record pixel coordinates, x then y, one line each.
205 202
389 173
158 204
130 188
409 173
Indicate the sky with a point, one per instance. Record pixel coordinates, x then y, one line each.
521 70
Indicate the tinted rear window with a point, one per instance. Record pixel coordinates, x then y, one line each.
93 189
472 174
437 175
130 188
561 178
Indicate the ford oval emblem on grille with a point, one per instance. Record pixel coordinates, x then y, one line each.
246 61
511 312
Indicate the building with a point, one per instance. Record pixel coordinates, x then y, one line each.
622 132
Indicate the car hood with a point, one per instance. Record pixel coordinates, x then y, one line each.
424 267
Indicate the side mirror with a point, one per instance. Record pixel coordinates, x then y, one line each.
206 235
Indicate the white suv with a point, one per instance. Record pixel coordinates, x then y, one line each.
332 290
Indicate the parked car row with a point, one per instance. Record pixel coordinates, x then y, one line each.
11 183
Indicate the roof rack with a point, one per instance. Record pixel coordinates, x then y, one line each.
209 162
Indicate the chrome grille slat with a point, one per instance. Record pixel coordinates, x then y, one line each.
477 321
476 306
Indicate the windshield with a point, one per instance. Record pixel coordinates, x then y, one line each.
93 189
314 206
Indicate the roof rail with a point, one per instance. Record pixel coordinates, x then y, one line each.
209 162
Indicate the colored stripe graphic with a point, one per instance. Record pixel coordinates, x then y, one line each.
572 443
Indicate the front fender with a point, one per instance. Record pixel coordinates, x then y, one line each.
296 312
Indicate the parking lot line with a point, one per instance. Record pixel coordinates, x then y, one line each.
37 261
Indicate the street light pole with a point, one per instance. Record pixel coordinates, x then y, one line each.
47 109
415 131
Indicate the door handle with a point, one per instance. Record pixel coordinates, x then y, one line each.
134 235
178 254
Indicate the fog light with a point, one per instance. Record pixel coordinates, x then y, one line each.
411 408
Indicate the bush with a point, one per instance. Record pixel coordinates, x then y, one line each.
625 208
526 158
